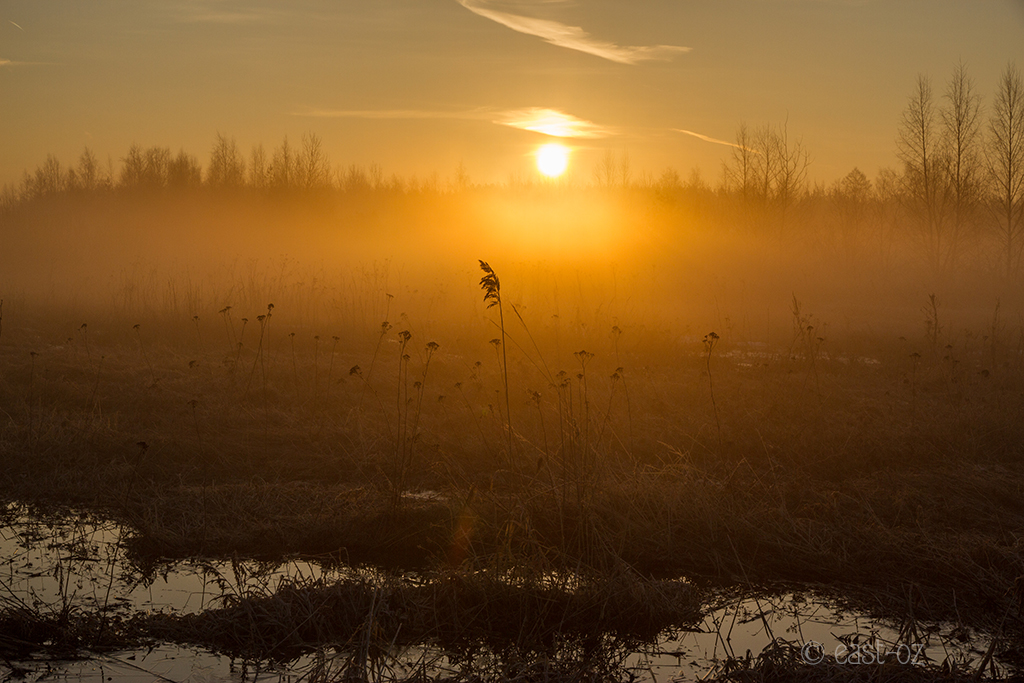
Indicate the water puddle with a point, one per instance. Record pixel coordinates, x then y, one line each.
78 562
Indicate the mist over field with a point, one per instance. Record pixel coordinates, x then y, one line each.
668 258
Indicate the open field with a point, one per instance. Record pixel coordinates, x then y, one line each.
648 399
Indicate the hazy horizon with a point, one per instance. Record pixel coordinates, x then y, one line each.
420 88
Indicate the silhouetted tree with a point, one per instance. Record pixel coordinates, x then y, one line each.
739 172
133 168
48 179
918 147
156 167
768 172
354 179
314 169
184 171
8 198
87 176
283 167
963 171
259 170
227 167
888 213
460 183
610 173
850 199
1005 161
792 161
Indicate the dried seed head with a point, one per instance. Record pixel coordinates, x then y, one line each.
490 284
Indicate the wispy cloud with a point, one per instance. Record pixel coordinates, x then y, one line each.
552 122
536 119
573 37
707 138
8 62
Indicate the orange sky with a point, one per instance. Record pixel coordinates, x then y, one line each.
419 86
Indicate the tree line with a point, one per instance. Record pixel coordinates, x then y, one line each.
961 175
288 167
959 187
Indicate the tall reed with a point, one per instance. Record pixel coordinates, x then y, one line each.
491 286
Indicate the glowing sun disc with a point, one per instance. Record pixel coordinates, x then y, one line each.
552 160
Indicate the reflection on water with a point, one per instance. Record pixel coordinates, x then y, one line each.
78 561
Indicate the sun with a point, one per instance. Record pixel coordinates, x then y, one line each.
552 160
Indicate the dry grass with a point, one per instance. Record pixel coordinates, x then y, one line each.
872 468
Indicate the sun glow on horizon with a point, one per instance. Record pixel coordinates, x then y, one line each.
552 160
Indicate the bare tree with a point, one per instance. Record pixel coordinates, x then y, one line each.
963 171
1005 157
133 170
739 174
283 167
87 175
184 171
354 179
769 171
156 166
227 167
314 169
765 163
918 147
47 180
625 172
8 198
460 183
887 213
259 170
604 171
850 198
791 165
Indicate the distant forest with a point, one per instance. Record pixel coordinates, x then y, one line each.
956 201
